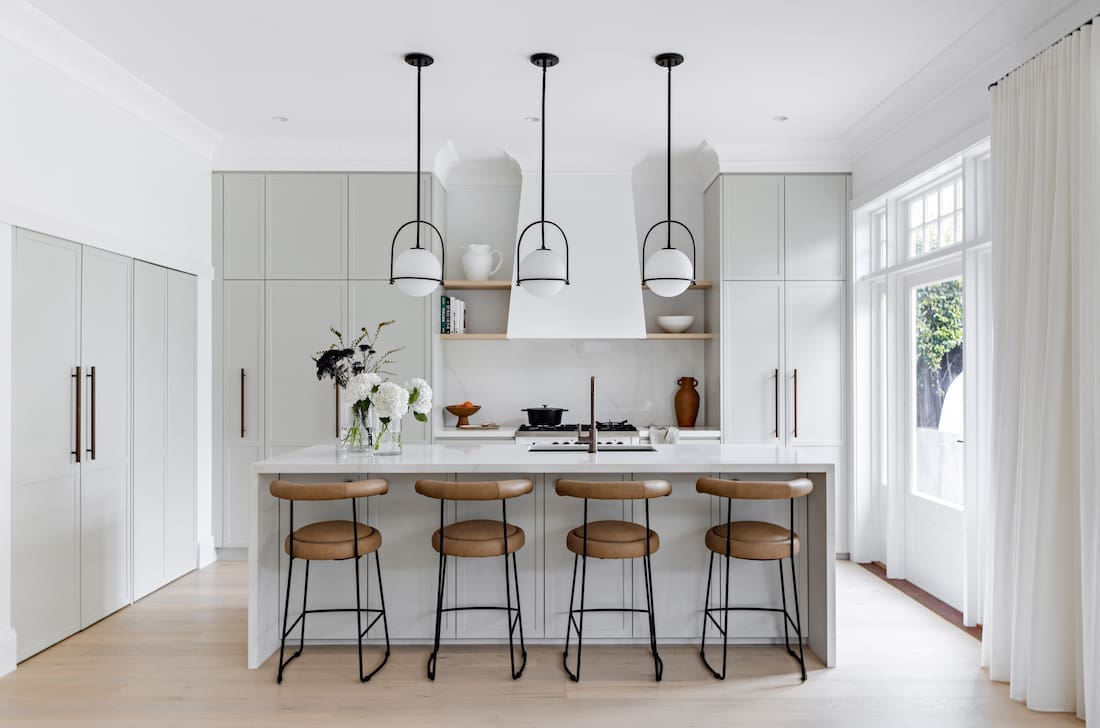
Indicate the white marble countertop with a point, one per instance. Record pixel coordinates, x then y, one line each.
503 457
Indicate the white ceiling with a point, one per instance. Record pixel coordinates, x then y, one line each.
335 68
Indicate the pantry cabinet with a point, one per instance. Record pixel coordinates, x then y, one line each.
306 226
380 203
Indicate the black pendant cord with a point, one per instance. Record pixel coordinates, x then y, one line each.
416 181
668 161
542 165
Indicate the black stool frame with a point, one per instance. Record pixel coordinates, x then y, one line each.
573 623
723 629
509 609
359 609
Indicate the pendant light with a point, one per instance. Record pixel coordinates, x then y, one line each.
417 272
668 272
542 272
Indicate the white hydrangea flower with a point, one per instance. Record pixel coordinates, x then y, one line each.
360 386
390 400
423 402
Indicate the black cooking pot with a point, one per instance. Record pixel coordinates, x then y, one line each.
544 416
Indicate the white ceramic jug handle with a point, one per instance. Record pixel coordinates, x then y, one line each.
500 261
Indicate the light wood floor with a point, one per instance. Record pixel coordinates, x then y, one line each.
178 658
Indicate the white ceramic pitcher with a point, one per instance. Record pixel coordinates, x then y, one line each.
478 262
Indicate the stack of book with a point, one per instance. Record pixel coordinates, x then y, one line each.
452 315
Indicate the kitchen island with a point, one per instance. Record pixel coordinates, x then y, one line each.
407 520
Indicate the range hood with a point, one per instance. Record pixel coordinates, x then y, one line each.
604 297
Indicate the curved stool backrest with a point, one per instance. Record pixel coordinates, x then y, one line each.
614 489
479 491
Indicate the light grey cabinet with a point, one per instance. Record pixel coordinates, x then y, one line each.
815 226
243 224
375 301
306 226
379 203
815 355
299 409
752 226
164 427
752 341
242 413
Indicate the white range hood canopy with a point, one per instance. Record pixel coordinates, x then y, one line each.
604 297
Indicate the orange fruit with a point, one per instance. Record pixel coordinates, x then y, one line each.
467 403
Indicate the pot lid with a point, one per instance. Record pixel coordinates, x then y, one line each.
544 408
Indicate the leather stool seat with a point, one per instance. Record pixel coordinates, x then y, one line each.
333 541
613 540
755 540
479 539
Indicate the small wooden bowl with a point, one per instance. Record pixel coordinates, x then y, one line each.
462 413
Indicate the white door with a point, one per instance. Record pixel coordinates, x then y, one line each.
752 323
752 227
932 431
105 466
815 210
375 301
243 406
180 543
45 474
814 371
301 410
150 364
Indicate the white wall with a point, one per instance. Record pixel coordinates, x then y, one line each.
91 155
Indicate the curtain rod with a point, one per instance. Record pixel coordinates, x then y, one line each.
1029 60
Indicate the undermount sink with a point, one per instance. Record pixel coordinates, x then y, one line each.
584 448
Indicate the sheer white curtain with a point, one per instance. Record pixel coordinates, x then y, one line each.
1042 605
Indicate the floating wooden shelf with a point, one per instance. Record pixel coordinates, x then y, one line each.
680 337
475 337
699 285
478 285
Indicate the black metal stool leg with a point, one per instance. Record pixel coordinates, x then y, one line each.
519 617
658 663
382 616
286 613
358 615
569 618
786 617
798 622
438 614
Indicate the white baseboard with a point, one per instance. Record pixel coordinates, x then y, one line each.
207 553
7 651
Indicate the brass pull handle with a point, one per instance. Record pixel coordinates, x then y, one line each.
77 377
776 430
91 439
796 403
337 388
242 403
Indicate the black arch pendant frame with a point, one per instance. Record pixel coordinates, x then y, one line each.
543 61
668 61
419 61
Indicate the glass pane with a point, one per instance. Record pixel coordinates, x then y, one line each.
916 213
916 241
947 231
937 312
932 236
947 199
931 209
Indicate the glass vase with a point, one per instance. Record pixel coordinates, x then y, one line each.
355 432
386 436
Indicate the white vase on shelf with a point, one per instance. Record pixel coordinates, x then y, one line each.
477 262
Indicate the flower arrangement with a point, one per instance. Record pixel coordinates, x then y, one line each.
360 369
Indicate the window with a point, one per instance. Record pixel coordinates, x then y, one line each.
935 217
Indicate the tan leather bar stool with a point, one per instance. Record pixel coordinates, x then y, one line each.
479 539
756 541
332 541
611 540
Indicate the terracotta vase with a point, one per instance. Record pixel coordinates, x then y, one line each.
687 402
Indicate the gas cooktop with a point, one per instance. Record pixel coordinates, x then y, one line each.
620 426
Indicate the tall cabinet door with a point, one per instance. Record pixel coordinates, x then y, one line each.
307 226
45 477
180 543
243 398
375 301
301 410
149 387
752 351
815 350
105 468
379 203
815 214
752 227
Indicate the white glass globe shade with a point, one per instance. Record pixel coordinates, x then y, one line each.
419 262
542 263
668 263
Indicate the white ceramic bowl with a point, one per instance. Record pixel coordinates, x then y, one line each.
675 324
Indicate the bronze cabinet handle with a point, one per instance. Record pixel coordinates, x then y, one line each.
242 403
77 377
796 403
776 430
91 438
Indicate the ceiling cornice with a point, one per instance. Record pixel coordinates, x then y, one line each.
41 36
